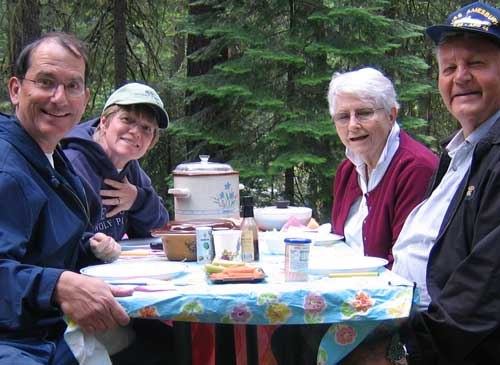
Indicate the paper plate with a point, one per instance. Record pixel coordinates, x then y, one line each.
346 264
129 270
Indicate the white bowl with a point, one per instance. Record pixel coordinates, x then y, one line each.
269 218
275 241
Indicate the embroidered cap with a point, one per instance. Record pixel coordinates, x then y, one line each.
136 93
475 18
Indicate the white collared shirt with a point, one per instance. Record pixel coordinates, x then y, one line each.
353 228
419 233
50 157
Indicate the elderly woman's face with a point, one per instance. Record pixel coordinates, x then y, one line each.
362 126
126 136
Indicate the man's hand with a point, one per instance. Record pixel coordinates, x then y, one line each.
105 247
122 196
90 302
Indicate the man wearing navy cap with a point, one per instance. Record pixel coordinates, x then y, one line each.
450 243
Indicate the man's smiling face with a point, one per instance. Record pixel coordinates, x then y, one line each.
469 79
48 116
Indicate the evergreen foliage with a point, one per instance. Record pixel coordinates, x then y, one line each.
273 86
258 97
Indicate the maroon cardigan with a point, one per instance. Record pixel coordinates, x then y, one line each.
402 187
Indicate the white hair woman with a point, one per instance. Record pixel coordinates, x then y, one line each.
386 172
384 176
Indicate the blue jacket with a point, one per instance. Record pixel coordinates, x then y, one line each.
43 217
93 165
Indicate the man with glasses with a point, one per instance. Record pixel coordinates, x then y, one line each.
44 213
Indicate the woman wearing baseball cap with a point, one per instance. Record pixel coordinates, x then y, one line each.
104 152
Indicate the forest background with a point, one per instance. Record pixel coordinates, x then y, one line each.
245 81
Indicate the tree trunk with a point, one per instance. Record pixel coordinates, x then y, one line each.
120 41
289 193
201 67
24 26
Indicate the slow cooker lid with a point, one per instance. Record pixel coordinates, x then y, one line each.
203 166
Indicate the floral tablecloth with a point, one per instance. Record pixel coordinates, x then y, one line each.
354 305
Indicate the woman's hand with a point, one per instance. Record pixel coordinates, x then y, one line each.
122 196
105 247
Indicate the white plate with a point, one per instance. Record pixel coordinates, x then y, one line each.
129 270
346 264
326 239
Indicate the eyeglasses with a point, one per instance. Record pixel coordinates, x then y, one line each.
145 129
361 115
73 88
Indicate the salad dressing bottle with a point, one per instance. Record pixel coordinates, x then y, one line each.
249 232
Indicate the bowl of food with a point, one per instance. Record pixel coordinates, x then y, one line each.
274 217
179 237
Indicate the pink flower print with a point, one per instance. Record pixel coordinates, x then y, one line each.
240 314
345 335
362 302
314 303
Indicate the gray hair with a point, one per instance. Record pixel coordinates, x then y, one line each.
366 84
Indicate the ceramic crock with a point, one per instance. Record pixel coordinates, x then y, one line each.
205 190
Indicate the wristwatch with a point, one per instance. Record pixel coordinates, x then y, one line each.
396 352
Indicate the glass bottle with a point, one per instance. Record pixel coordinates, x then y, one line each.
249 232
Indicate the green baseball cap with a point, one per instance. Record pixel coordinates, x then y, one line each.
136 93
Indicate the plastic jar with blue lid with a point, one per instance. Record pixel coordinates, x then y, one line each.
297 258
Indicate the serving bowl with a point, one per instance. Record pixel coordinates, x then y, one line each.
269 218
180 245
179 237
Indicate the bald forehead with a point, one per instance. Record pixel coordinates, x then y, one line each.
50 52
54 52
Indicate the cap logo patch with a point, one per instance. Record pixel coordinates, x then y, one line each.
475 18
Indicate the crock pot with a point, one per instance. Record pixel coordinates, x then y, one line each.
205 190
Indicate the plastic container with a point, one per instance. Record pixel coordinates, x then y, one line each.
297 259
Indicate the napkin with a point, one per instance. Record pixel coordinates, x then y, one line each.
292 222
95 349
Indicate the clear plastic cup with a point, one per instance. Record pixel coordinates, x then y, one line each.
227 244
